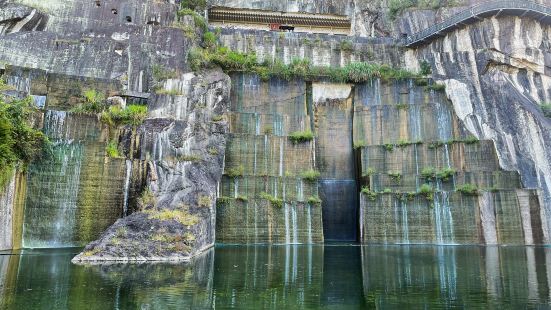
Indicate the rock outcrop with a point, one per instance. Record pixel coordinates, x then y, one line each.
183 142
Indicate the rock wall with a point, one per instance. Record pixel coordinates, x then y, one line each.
11 212
415 161
261 159
496 76
320 49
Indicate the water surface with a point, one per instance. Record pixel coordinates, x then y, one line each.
292 277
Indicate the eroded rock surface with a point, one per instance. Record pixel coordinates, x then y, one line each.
185 155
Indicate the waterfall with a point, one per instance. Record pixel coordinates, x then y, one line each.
416 168
281 157
52 197
255 155
287 236
405 227
257 124
300 190
295 225
443 218
127 186
447 152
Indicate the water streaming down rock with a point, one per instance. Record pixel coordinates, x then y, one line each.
443 219
264 114
50 212
127 186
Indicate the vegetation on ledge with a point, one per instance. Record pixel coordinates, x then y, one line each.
275 202
546 108
301 136
356 72
20 143
311 175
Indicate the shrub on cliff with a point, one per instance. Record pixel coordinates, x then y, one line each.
133 114
20 143
301 136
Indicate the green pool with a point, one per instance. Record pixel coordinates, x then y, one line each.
334 276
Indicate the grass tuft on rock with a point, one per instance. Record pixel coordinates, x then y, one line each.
301 136
275 202
181 216
311 175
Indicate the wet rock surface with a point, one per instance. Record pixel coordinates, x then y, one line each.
185 159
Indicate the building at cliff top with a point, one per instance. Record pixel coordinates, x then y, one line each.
278 21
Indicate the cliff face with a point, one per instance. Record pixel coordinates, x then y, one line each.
496 76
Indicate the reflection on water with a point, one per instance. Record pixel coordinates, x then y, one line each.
276 277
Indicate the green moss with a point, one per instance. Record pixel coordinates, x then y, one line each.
147 199
369 194
359 144
445 174
314 201
369 172
171 92
426 69
112 150
242 198
193 4
470 140
223 201
389 147
204 201
402 106
275 202
212 151
190 158
4 86
94 102
395 176
427 191
387 191
428 173
310 175
421 81
436 144
301 136
403 143
209 40
133 115
218 118
346 45
468 189
356 72
235 172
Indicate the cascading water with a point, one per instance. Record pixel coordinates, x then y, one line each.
51 204
127 186
443 218
295 224
287 234
405 226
